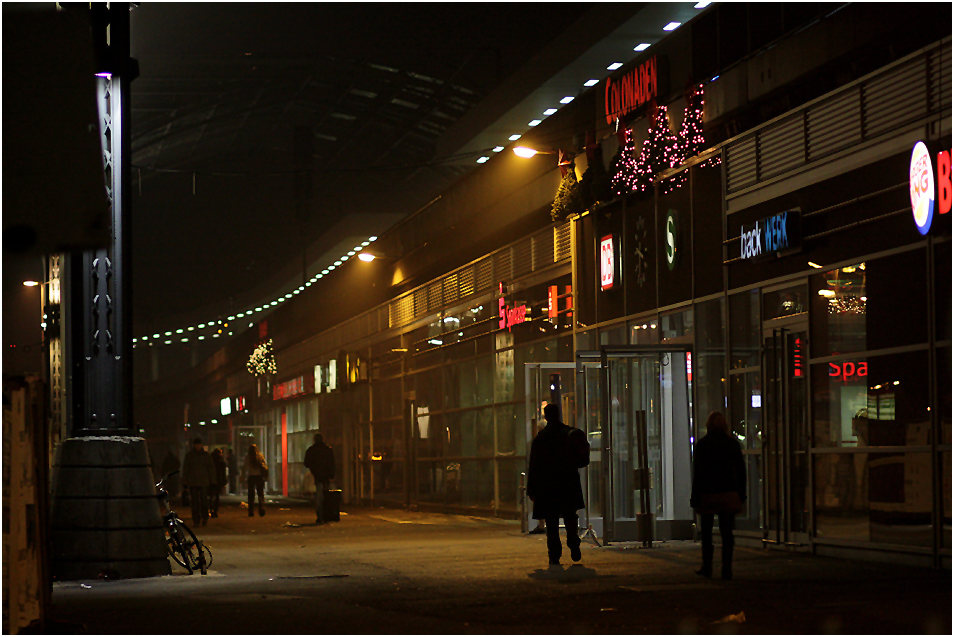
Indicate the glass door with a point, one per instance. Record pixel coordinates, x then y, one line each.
785 443
637 409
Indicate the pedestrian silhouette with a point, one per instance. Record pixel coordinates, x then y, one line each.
320 460
553 484
198 475
718 488
256 472
218 459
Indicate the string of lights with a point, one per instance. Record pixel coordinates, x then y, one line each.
224 327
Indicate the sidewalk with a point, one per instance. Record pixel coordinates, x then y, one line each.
389 571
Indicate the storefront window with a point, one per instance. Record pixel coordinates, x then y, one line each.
745 415
708 358
787 302
503 377
645 332
872 402
745 328
676 326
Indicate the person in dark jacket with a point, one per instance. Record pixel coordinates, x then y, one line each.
218 459
718 488
320 460
198 474
553 484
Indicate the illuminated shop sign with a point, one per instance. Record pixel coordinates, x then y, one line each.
846 370
510 316
926 193
772 236
553 302
293 387
240 404
632 90
607 263
226 406
672 238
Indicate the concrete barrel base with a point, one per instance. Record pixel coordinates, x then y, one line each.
105 519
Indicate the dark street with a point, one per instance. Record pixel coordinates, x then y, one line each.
386 571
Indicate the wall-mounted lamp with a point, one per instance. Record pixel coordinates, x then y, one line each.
527 153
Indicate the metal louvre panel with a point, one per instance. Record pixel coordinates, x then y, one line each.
420 301
483 274
401 311
783 147
502 265
522 258
542 251
466 281
450 289
434 300
740 164
939 67
897 97
834 125
561 242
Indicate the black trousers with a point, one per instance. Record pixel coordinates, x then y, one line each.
726 528
214 492
200 504
554 545
256 483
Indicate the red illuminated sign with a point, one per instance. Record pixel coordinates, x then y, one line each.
847 370
293 387
630 91
944 181
607 263
511 316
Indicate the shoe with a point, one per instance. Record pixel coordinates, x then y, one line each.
537 531
704 572
554 562
576 554
261 512
251 514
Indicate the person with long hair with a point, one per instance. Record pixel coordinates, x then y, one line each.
718 489
256 472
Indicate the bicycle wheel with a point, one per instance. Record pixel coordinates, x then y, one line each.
175 545
185 547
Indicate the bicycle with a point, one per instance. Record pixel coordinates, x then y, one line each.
183 546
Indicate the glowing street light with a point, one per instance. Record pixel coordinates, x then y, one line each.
523 151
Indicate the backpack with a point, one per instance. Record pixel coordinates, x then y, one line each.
576 448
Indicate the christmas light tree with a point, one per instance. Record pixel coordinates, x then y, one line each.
624 166
660 151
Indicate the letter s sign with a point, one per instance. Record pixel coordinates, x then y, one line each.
671 239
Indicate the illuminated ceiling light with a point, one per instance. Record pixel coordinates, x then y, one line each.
185 340
325 271
134 340
897 382
672 26
865 299
216 335
330 268
274 303
497 149
168 334
241 315
567 99
372 238
814 265
345 258
308 284
191 328
202 338
514 138
168 342
179 331
482 160
591 83
652 325
523 151
701 5
288 296
614 66
367 257
534 122
318 276
105 74
351 253
231 318
826 293
642 46
337 263
30 283
201 325
298 290
155 335
145 338
365 244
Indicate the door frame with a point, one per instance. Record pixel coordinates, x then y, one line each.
603 355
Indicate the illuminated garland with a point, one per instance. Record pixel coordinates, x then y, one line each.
262 360
624 166
569 198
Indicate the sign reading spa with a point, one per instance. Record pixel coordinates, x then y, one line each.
927 193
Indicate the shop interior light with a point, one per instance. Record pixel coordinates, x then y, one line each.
523 151
30 283
614 66
591 83
672 26
826 293
642 46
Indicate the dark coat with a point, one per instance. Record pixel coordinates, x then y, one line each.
320 460
220 467
717 467
552 482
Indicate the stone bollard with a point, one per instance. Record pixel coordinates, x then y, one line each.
105 520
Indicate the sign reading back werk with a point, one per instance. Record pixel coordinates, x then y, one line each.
776 236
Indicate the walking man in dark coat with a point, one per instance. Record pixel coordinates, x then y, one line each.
553 484
320 460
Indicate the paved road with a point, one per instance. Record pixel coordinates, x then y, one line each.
385 571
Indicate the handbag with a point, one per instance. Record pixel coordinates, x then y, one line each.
714 503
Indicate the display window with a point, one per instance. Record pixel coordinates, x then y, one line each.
745 328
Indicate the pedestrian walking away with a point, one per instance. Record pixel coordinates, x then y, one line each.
718 489
198 476
320 460
218 459
553 483
256 472
233 471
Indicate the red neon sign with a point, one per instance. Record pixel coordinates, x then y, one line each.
847 370
631 91
944 181
510 316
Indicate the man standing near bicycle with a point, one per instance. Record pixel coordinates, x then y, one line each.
198 475
320 460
